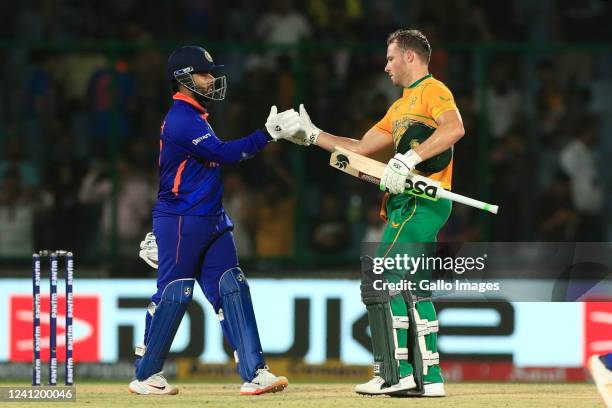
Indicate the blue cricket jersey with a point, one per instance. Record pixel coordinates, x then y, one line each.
189 157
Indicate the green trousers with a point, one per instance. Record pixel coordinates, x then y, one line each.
411 222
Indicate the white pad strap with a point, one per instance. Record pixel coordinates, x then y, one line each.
430 358
140 350
433 326
394 321
400 322
425 327
151 308
401 353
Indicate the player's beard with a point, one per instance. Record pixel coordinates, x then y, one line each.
199 96
395 78
202 100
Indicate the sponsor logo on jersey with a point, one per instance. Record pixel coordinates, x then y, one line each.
199 139
412 102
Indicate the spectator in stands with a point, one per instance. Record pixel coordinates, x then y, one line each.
136 195
330 231
557 218
550 104
16 214
111 92
375 226
238 203
28 174
578 159
274 203
513 167
504 101
283 25
61 181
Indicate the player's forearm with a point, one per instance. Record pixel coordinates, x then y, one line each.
441 140
213 149
328 141
373 141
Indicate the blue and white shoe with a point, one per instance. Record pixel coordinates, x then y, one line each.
263 383
154 385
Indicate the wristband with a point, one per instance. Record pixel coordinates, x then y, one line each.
314 135
412 158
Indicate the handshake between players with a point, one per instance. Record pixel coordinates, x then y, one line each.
192 240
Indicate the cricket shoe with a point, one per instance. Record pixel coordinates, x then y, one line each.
264 382
603 378
378 386
154 385
431 390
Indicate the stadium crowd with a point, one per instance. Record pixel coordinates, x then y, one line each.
79 126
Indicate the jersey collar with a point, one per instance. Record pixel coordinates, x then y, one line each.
416 83
182 97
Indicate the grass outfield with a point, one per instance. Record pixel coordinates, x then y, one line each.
466 395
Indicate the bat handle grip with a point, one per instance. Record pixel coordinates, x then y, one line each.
468 201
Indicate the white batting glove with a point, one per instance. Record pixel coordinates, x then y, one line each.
397 170
148 250
282 125
311 132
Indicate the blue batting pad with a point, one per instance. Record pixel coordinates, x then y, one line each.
239 322
607 360
148 319
227 332
164 324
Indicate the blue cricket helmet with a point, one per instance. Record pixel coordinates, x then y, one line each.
191 59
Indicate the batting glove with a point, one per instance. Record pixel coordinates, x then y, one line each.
148 250
309 132
397 170
282 125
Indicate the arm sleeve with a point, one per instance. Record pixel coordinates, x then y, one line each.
438 99
202 142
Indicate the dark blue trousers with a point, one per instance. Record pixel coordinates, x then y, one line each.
200 247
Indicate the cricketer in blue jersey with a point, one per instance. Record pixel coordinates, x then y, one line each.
192 232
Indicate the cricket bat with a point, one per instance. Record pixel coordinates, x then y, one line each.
372 171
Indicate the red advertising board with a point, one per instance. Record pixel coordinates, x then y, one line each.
598 328
85 328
